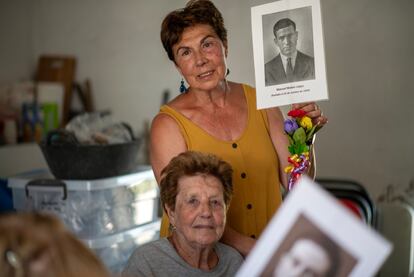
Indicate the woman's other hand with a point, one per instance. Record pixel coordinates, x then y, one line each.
313 111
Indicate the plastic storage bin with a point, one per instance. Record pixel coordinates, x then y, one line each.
90 208
115 250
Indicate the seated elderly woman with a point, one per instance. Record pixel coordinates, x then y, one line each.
196 189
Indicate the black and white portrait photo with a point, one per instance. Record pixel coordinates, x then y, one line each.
288 46
313 234
288 52
308 251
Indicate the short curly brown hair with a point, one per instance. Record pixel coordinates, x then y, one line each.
192 163
195 12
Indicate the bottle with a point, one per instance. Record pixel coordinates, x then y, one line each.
37 124
27 129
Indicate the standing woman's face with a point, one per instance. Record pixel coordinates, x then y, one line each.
200 56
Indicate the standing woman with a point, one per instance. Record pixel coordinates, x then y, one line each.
217 116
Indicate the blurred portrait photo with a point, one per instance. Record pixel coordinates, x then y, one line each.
307 251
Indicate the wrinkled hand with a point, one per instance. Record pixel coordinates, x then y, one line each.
312 110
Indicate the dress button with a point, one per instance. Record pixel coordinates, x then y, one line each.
243 175
234 145
249 206
253 236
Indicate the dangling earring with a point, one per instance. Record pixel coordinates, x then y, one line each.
225 79
183 89
171 228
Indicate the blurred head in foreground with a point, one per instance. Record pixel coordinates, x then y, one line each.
33 244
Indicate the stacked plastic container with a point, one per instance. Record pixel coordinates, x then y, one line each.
112 216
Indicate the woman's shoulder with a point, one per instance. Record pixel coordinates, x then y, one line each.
163 123
245 87
228 252
142 262
166 118
181 106
240 86
248 92
160 248
148 249
182 101
249 87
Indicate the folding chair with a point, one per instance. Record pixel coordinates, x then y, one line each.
354 196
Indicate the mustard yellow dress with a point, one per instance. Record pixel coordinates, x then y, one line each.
255 163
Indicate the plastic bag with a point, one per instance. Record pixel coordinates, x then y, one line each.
95 128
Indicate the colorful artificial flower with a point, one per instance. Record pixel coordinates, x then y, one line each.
306 123
299 130
296 113
290 126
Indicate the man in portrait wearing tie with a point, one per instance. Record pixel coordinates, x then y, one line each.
290 65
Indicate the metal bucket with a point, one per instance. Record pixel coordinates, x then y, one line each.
86 162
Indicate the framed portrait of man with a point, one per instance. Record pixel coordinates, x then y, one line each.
289 56
312 234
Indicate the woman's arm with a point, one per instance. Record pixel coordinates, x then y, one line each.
166 142
280 141
238 241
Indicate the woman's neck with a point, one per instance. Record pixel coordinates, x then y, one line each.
216 97
201 257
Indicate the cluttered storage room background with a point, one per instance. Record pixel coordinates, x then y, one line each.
60 59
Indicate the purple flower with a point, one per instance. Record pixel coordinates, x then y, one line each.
290 126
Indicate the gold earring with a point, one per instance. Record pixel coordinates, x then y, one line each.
172 228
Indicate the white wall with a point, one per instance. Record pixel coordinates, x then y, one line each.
117 45
369 65
16 49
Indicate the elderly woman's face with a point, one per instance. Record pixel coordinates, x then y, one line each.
200 211
200 57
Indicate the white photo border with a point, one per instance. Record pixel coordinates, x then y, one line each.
337 222
294 92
